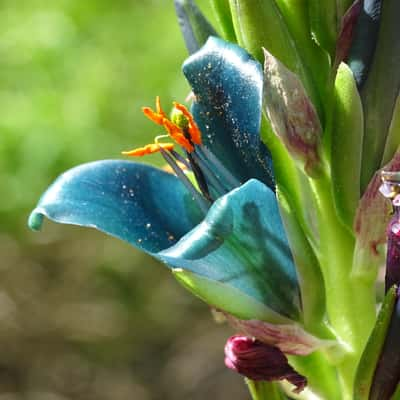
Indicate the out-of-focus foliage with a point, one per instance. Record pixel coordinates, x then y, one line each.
81 315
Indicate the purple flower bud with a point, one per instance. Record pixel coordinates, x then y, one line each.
393 251
390 188
260 362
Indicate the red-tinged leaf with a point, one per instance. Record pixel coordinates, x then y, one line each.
345 37
292 115
289 338
372 218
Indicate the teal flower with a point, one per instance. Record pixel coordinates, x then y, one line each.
222 236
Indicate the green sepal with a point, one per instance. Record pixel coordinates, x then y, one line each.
290 180
324 25
307 265
381 89
370 357
194 26
260 23
346 145
396 394
342 7
393 138
227 298
315 59
223 15
325 19
262 390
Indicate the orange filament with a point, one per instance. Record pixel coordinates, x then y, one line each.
158 107
148 149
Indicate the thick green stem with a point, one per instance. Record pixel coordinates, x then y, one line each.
350 302
262 390
320 375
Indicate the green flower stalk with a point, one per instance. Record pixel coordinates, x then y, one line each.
275 214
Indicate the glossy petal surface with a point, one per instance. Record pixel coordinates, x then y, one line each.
227 83
242 243
142 205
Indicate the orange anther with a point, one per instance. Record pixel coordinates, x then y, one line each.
193 129
176 133
148 149
185 138
153 116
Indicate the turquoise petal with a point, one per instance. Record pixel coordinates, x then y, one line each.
227 83
142 205
242 244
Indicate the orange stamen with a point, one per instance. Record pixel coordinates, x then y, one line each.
193 129
148 149
158 107
176 133
153 116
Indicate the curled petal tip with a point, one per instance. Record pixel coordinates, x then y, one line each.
35 220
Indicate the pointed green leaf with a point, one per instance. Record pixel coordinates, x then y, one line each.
260 23
194 26
324 23
343 6
396 395
346 147
315 59
313 301
393 139
366 368
381 90
326 17
261 390
222 12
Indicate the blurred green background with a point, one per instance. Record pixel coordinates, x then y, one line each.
83 316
